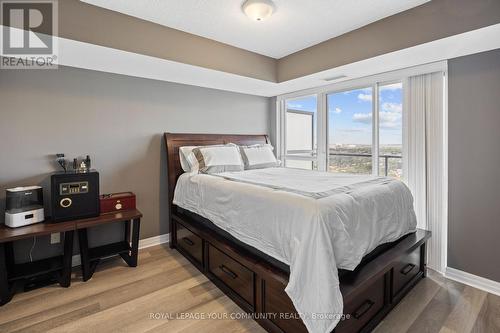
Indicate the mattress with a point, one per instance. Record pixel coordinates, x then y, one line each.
314 222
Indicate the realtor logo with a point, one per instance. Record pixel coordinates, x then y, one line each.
28 30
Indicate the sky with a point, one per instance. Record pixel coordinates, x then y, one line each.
350 115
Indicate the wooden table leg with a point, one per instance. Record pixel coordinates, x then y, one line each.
173 233
131 259
423 259
67 258
5 291
9 255
127 231
84 254
135 241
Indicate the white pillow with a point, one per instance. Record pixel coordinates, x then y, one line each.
258 156
189 163
218 158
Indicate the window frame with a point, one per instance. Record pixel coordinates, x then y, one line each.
322 157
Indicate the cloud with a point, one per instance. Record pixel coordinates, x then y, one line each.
390 120
392 107
387 119
365 97
337 110
364 118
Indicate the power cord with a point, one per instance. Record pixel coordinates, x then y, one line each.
32 248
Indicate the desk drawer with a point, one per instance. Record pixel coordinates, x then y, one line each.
366 305
236 276
405 269
190 243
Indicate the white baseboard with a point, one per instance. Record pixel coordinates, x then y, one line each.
143 243
153 241
472 280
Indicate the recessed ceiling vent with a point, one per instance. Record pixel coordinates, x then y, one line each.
335 78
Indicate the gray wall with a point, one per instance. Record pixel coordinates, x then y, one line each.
474 164
119 121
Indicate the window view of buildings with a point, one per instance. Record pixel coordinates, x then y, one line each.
351 143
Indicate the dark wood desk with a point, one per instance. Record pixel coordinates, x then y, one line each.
13 275
128 248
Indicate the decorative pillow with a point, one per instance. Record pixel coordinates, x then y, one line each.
219 158
258 156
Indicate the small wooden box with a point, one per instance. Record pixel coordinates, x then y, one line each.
116 202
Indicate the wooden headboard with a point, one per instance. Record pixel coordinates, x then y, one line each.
176 140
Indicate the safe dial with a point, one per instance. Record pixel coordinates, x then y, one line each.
65 202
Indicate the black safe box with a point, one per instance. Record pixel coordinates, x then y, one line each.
74 195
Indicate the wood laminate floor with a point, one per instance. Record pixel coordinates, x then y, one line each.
165 293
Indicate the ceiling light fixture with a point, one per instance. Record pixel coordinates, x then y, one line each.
258 10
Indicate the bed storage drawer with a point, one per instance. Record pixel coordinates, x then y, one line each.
367 304
233 274
405 270
280 306
190 243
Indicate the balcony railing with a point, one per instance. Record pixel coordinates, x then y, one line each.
386 158
308 154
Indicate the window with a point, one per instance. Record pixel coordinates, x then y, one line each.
350 131
301 132
393 123
357 129
362 128
390 118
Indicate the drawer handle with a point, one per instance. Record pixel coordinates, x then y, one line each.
229 272
188 241
367 305
407 269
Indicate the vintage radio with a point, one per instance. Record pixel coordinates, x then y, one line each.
74 195
115 202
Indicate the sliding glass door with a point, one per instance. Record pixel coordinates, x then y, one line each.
358 130
390 117
350 131
365 130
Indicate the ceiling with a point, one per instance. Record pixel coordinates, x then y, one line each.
296 24
94 57
78 54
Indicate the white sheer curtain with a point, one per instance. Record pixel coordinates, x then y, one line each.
424 157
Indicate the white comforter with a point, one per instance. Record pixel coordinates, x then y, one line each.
315 222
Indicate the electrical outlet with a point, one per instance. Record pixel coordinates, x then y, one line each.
55 238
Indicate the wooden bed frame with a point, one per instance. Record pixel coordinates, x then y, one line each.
257 285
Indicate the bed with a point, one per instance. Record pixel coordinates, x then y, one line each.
340 271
